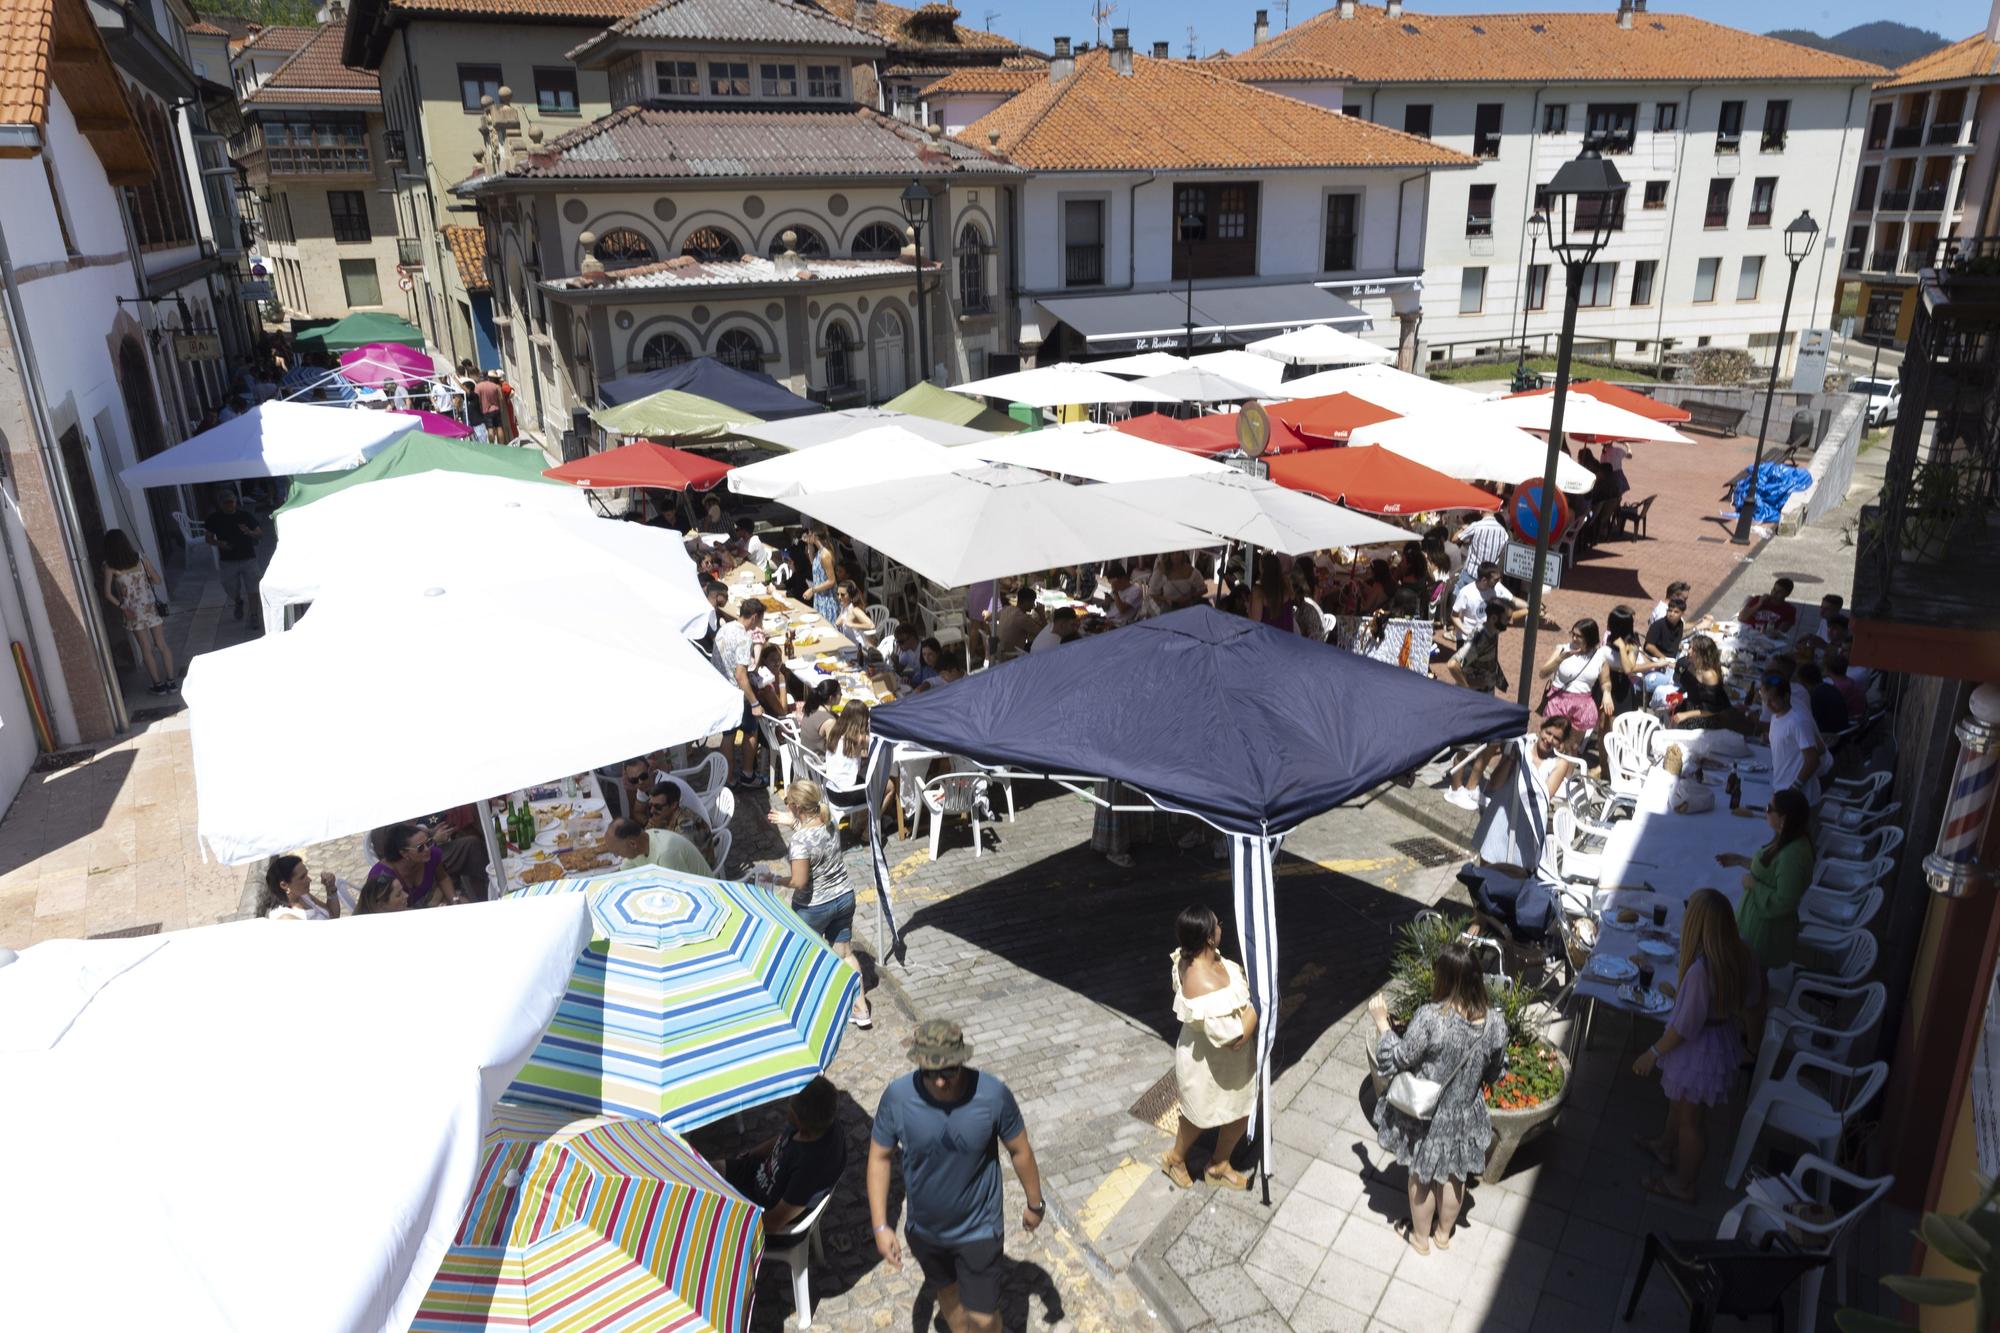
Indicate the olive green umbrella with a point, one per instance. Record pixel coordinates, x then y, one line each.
927 400
671 413
416 451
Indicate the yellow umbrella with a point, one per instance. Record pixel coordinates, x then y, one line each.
673 413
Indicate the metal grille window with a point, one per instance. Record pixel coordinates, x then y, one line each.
1610 127
1777 121
779 80
839 356
1479 211
475 82
349 211
711 245
823 81
806 243
877 240
621 246
971 256
1342 231
662 350
739 350
1486 129
677 78
728 78
1083 242
1656 194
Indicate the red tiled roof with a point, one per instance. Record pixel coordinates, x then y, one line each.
590 11
987 79
468 252
280 37
904 29
1179 115
1252 70
203 28
1550 48
314 75
30 33
1976 57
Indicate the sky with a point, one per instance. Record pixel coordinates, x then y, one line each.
1227 24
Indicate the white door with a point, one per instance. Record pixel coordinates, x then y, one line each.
888 357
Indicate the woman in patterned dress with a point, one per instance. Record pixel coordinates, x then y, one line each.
128 584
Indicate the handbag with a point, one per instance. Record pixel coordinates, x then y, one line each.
1418 1097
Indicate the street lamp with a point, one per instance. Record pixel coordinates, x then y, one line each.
1582 205
917 208
1800 236
1184 228
1538 223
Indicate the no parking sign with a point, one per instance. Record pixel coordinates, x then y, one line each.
1526 512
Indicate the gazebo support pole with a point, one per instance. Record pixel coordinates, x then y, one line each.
485 807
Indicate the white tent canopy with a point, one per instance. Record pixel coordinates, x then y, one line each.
1384 386
138 1074
1094 453
1200 384
1322 345
964 527
274 439
1142 363
393 697
1259 372
1463 443
809 432
1582 415
883 453
1060 385
1261 513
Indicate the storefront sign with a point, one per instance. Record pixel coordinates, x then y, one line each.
198 346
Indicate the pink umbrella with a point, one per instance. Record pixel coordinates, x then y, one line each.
433 424
373 365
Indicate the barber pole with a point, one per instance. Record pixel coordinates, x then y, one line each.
1951 868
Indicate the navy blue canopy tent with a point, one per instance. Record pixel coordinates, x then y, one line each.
752 392
1249 728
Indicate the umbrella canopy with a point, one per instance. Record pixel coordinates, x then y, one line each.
358 330
1630 399
1142 363
925 399
964 527
377 364
1250 509
1332 417
435 423
1273 727
1582 415
1374 480
1206 435
825 427
1061 385
1321 345
751 392
1473 446
1385 386
576 1226
388 664
642 463
1260 372
673 413
695 998
274 439
1199 384
417 451
1094 453
886 453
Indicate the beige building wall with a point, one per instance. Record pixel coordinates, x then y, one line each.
316 288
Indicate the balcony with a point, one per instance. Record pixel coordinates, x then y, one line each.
1726 142
1715 217
1943 136
1773 141
317 159
1894 201
1930 199
1917 258
1906 136
394 149
409 252
1882 261
1083 266
1478 226
1851 261
1486 145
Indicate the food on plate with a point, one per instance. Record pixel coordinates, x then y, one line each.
1626 916
542 873
582 858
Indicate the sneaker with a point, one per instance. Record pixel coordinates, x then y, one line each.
157 687
1463 798
863 1018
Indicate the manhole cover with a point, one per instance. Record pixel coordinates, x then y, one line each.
1160 1105
129 933
1429 852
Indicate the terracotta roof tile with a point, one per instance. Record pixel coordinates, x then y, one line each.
752 21
280 37
586 11
314 75
987 79
27 31
30 33
203 28
1551 48
1252 70
931 28
1976 57
468 251
1178 115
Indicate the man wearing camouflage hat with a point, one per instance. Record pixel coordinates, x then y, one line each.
947 1118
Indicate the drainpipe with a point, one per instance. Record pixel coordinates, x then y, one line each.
58 480
1401 186
1011 329
1832 239
1132 232
1667 254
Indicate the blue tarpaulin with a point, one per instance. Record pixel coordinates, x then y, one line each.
1776 483
757 394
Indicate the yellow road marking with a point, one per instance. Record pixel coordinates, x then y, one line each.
1115 1191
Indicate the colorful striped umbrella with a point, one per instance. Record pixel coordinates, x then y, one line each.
695 999
595 1224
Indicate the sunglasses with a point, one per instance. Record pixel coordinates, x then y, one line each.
947 1073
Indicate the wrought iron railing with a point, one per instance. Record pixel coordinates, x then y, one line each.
1931 199
1083 265
1895 200
1906 136
1943 136
409 252
1882 261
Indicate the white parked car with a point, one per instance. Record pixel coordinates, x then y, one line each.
1884 397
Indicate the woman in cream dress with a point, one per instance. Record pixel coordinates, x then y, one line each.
1215 1060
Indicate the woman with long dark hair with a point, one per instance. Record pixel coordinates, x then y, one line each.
1270 598
1577 673
1215 1060
1705 703
1775 879
287 893
382 892
406 851
129 579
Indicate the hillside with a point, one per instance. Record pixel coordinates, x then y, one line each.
1884 42
297 13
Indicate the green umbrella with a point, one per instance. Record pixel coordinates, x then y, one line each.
673 413
927 400
415 451
360 329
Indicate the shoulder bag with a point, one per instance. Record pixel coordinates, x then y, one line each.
1418 1097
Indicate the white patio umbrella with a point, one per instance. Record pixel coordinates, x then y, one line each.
1060 385
1257 512
1199 384
1142 363
885 453
1259 372
1582 415
457 670
1465 444
1384 386
817 428
274 439
963 527
1322 345
1094 453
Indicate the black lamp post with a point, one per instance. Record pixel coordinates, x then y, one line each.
1538 222
1185 223
1582 205
917 208
1800 236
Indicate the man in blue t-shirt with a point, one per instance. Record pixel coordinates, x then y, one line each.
947 1119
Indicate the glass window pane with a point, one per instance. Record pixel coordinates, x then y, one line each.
1472 291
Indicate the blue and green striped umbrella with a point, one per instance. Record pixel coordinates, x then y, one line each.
695 998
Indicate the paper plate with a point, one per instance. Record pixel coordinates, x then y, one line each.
1659 949
1650 1001
1610 967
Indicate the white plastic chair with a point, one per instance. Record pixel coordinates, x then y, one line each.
955 794
1850 819
845 802
1832 910
722 810
1763 1211
1834 873
196 537
1827 1020
705 778
1579 863
1857 793
1881 841
723 839
1625 766
1638 731
792 1249
781 735
1817 1116
884 642
1845 959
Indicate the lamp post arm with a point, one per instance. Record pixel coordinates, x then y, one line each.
1572 280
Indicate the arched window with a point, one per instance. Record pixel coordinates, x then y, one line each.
806 242
877 240
662 350
739 350
711 244
621 246
971 268
839 356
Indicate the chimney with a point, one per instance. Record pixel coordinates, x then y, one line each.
1121 51
1061 64
1160 49
864 13
1347 9
1625 14
1394 9
1638 6
1993 23
1260 30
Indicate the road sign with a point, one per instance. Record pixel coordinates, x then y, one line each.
256 290
1519 563
1526 511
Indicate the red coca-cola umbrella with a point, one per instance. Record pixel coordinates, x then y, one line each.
1373 480
642 463
1330 418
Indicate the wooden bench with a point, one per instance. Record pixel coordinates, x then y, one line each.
1718 417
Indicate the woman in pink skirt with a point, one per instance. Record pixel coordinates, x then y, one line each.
1578 675
1720 984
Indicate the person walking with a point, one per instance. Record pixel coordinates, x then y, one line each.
1455 1044
1215 1061
816 880
129 580
234 534
950 1119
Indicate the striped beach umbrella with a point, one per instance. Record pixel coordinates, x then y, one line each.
595 1224
695 998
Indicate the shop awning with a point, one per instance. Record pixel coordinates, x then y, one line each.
1142 321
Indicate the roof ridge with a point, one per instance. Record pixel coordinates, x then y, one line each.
1049 104
630 21
1292 103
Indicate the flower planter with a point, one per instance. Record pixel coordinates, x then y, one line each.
1511 1129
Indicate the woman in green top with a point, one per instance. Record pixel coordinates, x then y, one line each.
1768 918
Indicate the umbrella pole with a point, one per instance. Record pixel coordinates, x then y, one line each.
485 807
